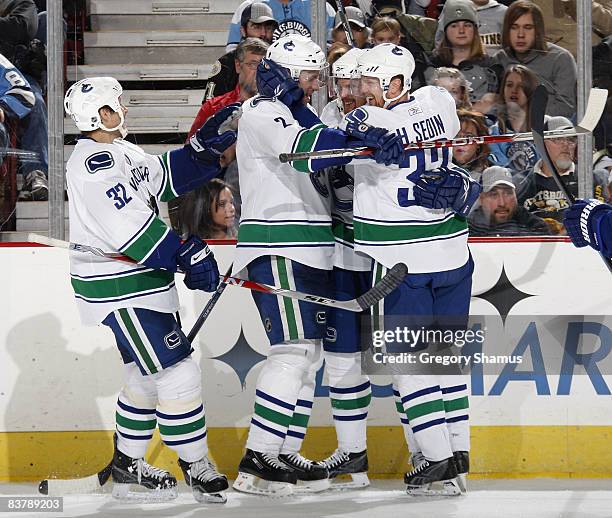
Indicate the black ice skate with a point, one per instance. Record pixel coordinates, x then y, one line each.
312 477
421 480
126 471
344 463
264 474
206 483
462 463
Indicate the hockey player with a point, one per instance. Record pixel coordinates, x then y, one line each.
589 222
286 239
113 190
394 222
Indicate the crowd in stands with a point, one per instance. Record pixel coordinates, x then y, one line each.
489 54
23 112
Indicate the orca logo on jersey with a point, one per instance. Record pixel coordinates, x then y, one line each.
397 51
172 340
86 87
99 161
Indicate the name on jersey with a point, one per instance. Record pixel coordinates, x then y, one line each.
426 129
139 175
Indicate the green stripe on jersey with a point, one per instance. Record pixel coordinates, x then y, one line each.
306 142
290 233
168 193
134 424
456 404
122 285
430 407
351 404
273 416
343 232
148 240
373 232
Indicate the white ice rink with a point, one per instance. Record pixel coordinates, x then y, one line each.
487 498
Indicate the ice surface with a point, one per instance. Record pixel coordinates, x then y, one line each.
541 498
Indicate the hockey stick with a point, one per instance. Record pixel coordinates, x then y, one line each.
208 308
345 23
538 111
90 484
381 289
595 107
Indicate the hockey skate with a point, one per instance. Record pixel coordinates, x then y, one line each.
433 478
311 476
344 463
264 474
126 471
206 483
462 463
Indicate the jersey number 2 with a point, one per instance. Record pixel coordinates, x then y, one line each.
118 194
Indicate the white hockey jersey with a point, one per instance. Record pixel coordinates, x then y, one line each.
389 227
283 212
340 181
110 188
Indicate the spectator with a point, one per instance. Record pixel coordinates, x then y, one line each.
357 23
475 158
517 87
209 212
462 48
523 42
18 25
602 176
601 14
247 56
410 7
537 189
455 83
490 22
386 30
293 16
499 213
257 21
417 35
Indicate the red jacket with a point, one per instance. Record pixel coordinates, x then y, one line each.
212 106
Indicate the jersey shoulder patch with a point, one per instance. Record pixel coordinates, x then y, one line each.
99 161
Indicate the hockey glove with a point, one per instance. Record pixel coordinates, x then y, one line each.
198 262
446 188
274 80
388 146
216 134
582 222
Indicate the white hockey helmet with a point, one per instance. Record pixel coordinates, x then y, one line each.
345 67
296 52
386 61
84 99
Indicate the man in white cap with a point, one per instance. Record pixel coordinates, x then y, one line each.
499 212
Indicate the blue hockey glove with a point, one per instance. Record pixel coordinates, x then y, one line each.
274 80
216 134
198 262
388 146
446 188
581 221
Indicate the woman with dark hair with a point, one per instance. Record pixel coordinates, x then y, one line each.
461 48
209 212
523 42
475 158
516 90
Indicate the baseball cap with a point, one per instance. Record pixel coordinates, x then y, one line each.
257 13
388 7
557 123
353 14
494 176
457 10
